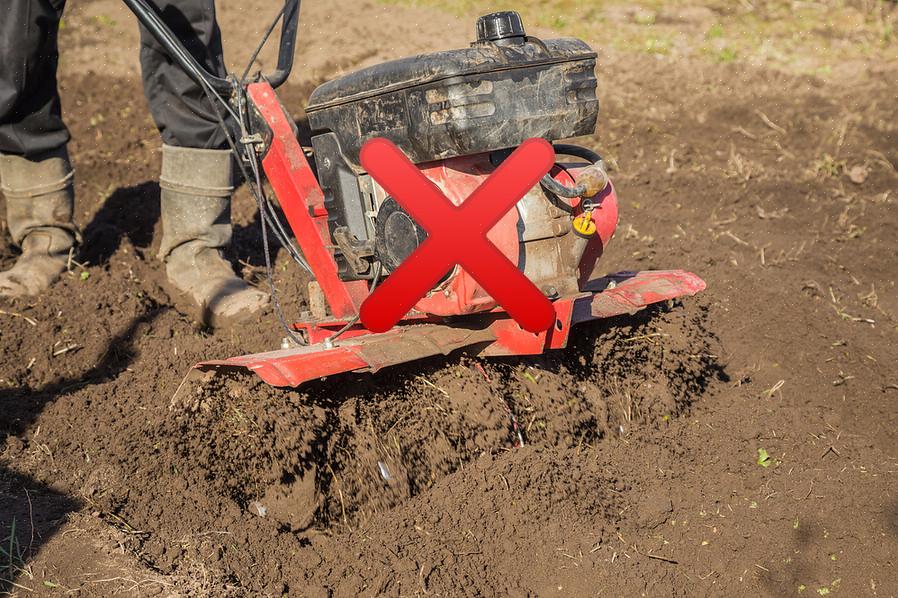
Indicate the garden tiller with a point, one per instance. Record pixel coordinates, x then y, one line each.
456 115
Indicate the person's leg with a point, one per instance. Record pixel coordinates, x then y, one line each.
183 113
35 174
196 181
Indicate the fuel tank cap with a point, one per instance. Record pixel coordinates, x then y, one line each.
505 25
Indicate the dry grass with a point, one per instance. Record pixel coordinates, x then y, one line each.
806 37
12 561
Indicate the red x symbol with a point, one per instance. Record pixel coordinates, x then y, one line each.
457 235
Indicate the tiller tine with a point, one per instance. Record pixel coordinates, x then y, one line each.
368 353
630 292
487 334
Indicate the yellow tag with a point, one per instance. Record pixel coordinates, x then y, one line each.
584 225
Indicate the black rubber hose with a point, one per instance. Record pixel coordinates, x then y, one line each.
561 190
565 149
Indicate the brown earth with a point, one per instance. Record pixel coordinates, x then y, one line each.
640 473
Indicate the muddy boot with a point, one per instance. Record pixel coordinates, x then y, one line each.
196 225
39 206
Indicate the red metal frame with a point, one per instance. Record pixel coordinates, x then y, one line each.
302 200
487 333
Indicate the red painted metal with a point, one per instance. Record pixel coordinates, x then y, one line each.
366 353
302 200
488 334
605 215
457 178
628 292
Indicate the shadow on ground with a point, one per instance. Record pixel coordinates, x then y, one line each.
31 512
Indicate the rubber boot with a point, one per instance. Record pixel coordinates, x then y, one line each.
40 201
196 224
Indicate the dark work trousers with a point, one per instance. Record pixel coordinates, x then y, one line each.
31 121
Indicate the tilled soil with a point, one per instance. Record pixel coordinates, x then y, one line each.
741 442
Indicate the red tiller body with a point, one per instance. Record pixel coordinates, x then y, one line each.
459 313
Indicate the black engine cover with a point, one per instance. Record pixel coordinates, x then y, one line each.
493 95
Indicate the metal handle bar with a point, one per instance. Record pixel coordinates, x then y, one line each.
152 21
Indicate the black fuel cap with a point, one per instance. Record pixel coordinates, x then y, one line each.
500 25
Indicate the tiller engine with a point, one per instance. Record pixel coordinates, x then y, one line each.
456 115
